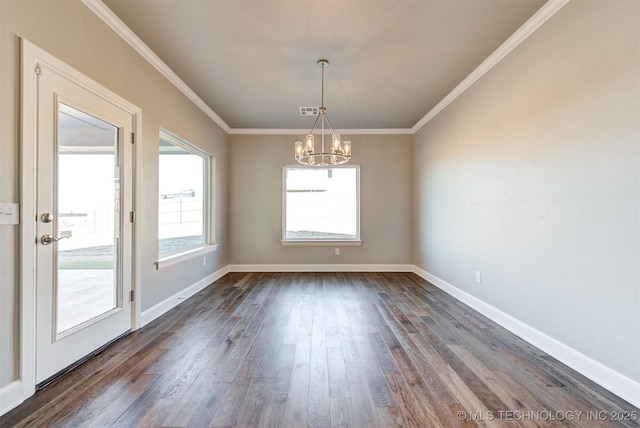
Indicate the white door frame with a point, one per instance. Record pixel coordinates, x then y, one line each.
33 58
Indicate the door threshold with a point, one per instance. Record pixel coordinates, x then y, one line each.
82 360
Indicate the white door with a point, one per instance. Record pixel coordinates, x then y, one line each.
84 231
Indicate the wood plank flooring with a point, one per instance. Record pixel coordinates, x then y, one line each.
322 350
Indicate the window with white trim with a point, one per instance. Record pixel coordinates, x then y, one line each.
321 204
185 195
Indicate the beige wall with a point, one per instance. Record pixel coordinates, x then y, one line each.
69 31
256 202
533 177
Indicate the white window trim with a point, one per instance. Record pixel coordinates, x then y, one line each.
173 257
319 242
185 254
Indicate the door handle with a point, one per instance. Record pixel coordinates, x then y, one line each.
48 239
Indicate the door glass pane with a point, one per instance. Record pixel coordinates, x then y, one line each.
87 217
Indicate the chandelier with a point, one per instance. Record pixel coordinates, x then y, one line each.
339 153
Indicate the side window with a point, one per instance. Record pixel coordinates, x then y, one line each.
321 204
185 195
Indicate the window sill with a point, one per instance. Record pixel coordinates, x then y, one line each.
320 243
184 255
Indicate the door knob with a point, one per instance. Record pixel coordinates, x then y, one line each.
48 239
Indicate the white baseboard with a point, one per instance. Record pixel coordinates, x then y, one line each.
620 385
166 305
11 396
322 268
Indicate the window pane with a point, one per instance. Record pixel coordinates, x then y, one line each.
183 197
321 203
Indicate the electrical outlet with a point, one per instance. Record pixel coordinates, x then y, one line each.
204 261
337 251
479 277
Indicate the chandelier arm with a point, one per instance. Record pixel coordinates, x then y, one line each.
314 124
324 116
329 123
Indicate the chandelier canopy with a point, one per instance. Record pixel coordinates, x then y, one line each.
339 153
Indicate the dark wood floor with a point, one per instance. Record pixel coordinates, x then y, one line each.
321 350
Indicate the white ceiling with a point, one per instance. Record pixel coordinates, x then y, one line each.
391 61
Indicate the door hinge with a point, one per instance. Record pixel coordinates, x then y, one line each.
131 295
132 216
133 138
38 70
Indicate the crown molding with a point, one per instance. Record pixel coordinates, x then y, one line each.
268 131
540 17
121 29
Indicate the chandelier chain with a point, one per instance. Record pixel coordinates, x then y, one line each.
322 87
